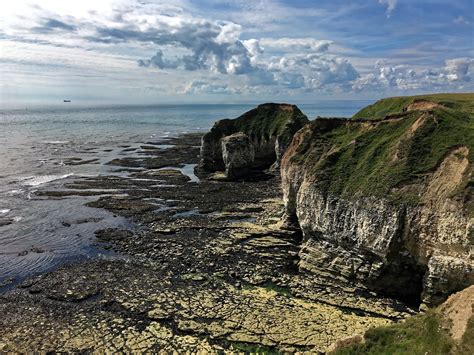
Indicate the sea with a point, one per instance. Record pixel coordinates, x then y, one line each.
36 233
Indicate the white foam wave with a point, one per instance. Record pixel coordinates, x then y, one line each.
57 142
4 211
40 180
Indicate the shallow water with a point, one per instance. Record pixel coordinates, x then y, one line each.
36 147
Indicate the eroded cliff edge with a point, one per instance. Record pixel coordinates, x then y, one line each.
385 199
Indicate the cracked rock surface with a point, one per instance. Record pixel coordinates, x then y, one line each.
207 268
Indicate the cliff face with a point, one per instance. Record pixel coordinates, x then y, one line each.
270 128
386 201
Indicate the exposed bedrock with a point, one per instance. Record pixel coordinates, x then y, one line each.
386 203
269 127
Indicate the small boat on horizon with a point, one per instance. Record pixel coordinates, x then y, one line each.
67 100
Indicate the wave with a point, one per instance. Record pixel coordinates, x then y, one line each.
40 180
56 142
4 211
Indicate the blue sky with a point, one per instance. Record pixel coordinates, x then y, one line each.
159 51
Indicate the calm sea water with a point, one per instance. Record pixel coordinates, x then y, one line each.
35 143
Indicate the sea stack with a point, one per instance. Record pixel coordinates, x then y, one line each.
269 129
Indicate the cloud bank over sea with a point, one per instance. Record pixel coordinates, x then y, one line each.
116 50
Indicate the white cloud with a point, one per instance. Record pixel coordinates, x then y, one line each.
391 4
173 46
229 33
307 44
254 49
458 69
454 74
318 69
461 20
204 87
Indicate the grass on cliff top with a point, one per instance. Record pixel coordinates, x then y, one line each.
423 334
372 158
396 105
270 119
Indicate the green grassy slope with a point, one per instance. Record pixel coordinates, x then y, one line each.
270 120
419 335
371 158
396 105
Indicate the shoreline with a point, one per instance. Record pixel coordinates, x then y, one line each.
206 268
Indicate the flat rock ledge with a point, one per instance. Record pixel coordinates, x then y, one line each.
206 268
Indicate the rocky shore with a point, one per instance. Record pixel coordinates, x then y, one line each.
224 261
205 268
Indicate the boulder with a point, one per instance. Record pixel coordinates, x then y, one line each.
238 155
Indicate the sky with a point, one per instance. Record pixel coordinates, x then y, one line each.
203 51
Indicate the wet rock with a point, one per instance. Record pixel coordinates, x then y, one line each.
164 230
79 161
6 221
7 282
193 277
113 234
87 220
207 282
159 158
138 308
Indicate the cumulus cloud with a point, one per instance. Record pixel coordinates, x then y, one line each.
211 45
171 39
217 46
458 69
203 87
254 49
198 54
391 4
311 44
318 70
455 73
158 61
292 80
181 42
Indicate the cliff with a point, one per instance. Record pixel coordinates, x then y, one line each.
269 128
384 199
